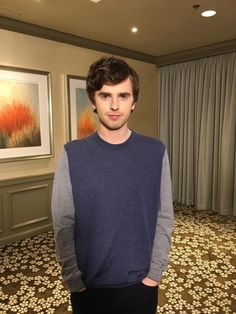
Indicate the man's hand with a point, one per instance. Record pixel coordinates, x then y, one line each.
149 282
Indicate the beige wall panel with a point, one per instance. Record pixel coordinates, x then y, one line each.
59 59
25 207
28 206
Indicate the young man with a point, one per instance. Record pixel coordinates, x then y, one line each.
112 204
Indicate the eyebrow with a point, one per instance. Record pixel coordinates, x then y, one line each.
123 94
104 94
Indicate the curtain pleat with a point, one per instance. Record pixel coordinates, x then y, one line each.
197 122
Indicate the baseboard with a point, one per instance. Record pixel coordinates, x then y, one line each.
23 235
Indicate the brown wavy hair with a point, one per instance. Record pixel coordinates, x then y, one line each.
110 71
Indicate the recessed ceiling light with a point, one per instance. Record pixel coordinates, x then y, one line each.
95 1
134 29
208 13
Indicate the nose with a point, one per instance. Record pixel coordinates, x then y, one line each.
114 104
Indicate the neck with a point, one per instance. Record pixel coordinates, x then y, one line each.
114 136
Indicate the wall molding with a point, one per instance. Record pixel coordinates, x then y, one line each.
51 34
197 53
8 239
24 179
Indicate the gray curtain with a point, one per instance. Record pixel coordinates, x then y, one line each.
197 122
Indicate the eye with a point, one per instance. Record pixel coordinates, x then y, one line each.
124 96
105 96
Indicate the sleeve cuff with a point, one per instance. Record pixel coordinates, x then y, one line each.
75 285
156 276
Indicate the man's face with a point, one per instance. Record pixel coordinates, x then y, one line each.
114 104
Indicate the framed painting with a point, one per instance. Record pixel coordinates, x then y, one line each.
25 114
82 120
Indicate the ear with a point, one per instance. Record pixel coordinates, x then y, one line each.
133 106
94 107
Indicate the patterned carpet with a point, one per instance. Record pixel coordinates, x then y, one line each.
201 277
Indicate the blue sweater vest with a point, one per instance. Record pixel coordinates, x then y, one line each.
116 194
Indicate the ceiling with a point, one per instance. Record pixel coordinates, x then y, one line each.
165 26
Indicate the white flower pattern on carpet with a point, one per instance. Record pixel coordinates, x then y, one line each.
201 277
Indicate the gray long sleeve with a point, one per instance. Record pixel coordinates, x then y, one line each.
63 212
164 227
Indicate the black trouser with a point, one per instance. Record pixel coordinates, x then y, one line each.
135 299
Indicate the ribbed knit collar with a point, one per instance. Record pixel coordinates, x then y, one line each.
110 146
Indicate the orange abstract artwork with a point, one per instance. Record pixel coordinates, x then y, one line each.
86 124
18 126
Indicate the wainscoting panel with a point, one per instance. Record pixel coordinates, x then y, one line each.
23 208
26 209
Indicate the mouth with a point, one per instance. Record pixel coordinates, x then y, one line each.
114 117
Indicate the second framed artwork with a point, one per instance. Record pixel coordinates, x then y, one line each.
82 120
